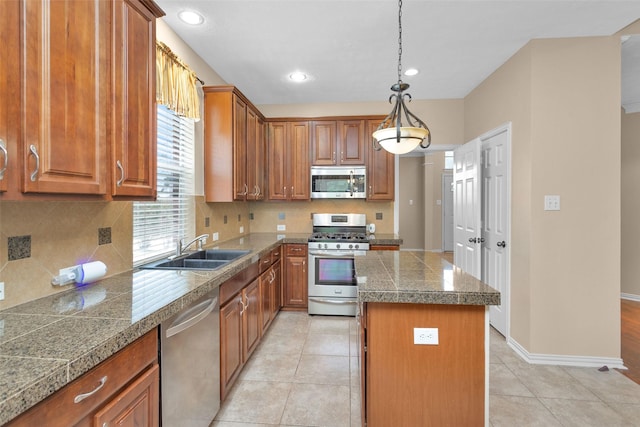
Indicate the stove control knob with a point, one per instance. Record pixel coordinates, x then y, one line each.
326 245
357 246
337 245
350 246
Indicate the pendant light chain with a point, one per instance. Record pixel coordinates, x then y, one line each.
399 41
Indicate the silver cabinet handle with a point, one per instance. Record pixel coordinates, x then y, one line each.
243 307
79 398
292 191
246 190
121 169
334 157
342 156
351 182
34 151
370 192
3 148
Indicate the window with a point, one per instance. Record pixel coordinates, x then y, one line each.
157 226
448 159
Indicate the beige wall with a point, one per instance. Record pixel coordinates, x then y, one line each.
630 267
411 205
565 271
433 169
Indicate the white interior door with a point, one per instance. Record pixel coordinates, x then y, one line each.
466 208
495 221
447 212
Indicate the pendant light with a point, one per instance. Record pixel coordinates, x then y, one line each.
401 131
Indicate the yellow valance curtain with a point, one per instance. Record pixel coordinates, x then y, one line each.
176 83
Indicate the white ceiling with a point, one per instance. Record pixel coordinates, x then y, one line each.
350 47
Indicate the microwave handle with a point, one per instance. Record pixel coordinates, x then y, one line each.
351 182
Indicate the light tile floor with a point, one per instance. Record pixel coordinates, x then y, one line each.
305 373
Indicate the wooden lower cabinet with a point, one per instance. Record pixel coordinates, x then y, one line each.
375 247
122 390
428 385
295 288
251 326
230 343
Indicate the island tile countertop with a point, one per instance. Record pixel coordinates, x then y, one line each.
47 343
418 278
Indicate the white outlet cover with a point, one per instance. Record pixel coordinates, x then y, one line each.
241 229
281 227
1 291
551 203
425 336
216 236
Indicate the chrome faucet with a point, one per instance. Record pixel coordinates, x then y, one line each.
180 247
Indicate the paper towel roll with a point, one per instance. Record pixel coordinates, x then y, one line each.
91 271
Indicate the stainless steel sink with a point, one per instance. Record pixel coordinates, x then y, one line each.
209 259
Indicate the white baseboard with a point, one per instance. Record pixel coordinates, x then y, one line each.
630 297
556 359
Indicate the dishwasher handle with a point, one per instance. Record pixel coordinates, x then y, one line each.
192 320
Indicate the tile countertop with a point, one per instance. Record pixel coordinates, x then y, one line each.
420 278
49 342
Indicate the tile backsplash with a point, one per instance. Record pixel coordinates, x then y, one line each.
37 239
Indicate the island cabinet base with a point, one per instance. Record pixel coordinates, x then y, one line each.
407 384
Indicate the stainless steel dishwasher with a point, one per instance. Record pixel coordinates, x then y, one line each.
190 364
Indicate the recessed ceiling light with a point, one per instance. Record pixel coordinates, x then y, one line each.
191 17
411 72
298 76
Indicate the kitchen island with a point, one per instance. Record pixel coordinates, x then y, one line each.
424 329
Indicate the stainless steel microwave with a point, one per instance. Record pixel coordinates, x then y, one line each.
338 182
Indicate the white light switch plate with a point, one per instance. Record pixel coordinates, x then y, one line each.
1 291
425 336
216 236
241 229
551 203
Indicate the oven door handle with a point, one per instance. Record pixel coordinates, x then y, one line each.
332 301
338 253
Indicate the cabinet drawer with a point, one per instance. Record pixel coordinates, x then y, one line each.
276 254
89 392
295 250
231 287
265 262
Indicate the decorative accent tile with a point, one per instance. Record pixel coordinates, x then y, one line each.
104 236
207 222
378 215
19 247
251 216
224 219
239 217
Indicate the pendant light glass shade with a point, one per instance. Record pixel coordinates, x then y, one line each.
409 139
401 131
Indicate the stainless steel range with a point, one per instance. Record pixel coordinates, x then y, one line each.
336 240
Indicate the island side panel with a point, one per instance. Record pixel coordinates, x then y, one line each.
425 385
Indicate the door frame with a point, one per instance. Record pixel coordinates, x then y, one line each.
506 298
444 191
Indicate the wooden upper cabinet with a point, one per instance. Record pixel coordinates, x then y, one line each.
233 135
133 131
380 170
9 91
324 144
337 143
65 104
288 161
351 141
240 123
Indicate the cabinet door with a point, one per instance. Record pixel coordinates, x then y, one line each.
266 284
137 405
324 148
10 89
351 140
250 319
277 159
230 342
66 87
260 155
380 171
133 129
240 149
276 289
295 288
299 161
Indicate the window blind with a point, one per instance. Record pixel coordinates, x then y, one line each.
157 226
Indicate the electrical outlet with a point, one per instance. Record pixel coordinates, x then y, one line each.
551 203
241 229
1 291
281 227
216 236
425 336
